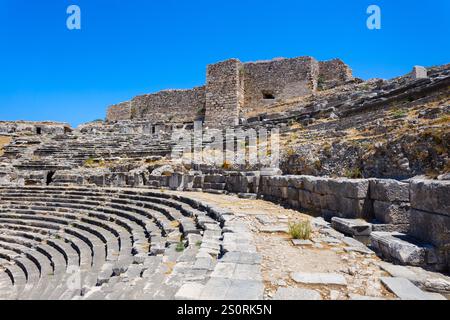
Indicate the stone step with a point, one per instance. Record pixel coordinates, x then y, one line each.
105 238
403 249
352 227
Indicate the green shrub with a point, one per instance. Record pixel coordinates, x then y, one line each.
354 173
180 247
399 113
300 230
89 162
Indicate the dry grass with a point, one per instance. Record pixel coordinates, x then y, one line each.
3 142
300 230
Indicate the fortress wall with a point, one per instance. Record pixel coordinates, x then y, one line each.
118 112
234 90
176 106
273 81
224 94
333 73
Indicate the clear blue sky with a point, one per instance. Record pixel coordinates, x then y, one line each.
131 47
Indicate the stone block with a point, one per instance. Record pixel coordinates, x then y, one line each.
389 190
292 194
350 188
431 196
391 213
351 208
310 183
419 72
319 278
267 172
402 248
302 243
405 289
429 227
189 291
295 182
354 227
305 199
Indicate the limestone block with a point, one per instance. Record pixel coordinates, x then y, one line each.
401 248
389 190
310 183
349 188
295 182
431 196
405 289
305 199
419 72
351 208
319 278
354 227
429 227
267 172
391 213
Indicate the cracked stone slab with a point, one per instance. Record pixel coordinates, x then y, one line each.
296 294
319 278
406 290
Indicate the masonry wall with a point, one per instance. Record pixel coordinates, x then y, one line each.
274 81
223 93
235 90
177 106
333 73
32 127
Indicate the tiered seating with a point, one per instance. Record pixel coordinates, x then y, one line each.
80 243
77 149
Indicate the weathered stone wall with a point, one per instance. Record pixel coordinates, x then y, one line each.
419 209
430 214
271 82
31 127
333 73
223 93
120 111
233 90
175 106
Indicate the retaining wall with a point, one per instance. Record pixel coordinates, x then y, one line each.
419 208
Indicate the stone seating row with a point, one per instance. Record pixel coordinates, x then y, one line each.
120 244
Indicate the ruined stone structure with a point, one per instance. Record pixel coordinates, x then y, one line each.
234 89
109 201
31 127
